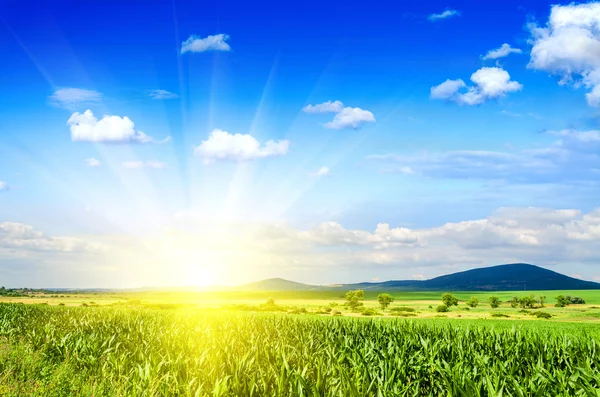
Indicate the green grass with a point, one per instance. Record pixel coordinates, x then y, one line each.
101 351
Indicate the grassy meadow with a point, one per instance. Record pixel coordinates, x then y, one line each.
295 344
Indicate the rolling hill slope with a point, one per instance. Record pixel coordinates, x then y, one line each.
510 277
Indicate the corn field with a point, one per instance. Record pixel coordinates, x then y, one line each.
62 351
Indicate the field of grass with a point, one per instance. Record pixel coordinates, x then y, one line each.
295 344
423 303
106 351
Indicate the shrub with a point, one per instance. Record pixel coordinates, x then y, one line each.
402 309
543 315
369 312
404 314
441 309
336 313
500 315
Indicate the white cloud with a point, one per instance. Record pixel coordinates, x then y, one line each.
447 89
3 186
350 118
140 165
221 145
92 162
504 50
71 97
110 129
215 42
490 83
569 46
345 117
334 234
323 171
162 94
542 236
443 15
18 237
325 107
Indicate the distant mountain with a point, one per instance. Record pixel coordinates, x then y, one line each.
277 284
511 277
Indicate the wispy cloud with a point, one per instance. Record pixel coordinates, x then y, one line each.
92 162
140 165
504 50
3 186
162 94
323 171
210 43
571 158
70 98
443 15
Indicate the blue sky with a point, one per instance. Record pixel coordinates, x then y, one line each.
173 143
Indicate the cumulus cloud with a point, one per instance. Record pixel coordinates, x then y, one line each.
92 162
443 15
569 46
504 51
571 158
323 171
334 234
72 97
140 165
215 42
489 83
85 127
345 117
528 234
162 94
221 145
521 234
18 237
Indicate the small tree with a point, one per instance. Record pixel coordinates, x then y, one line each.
441 309
514 301
527 301
473 302
449 300
562 301
385 300
354 299
494 302
542 300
